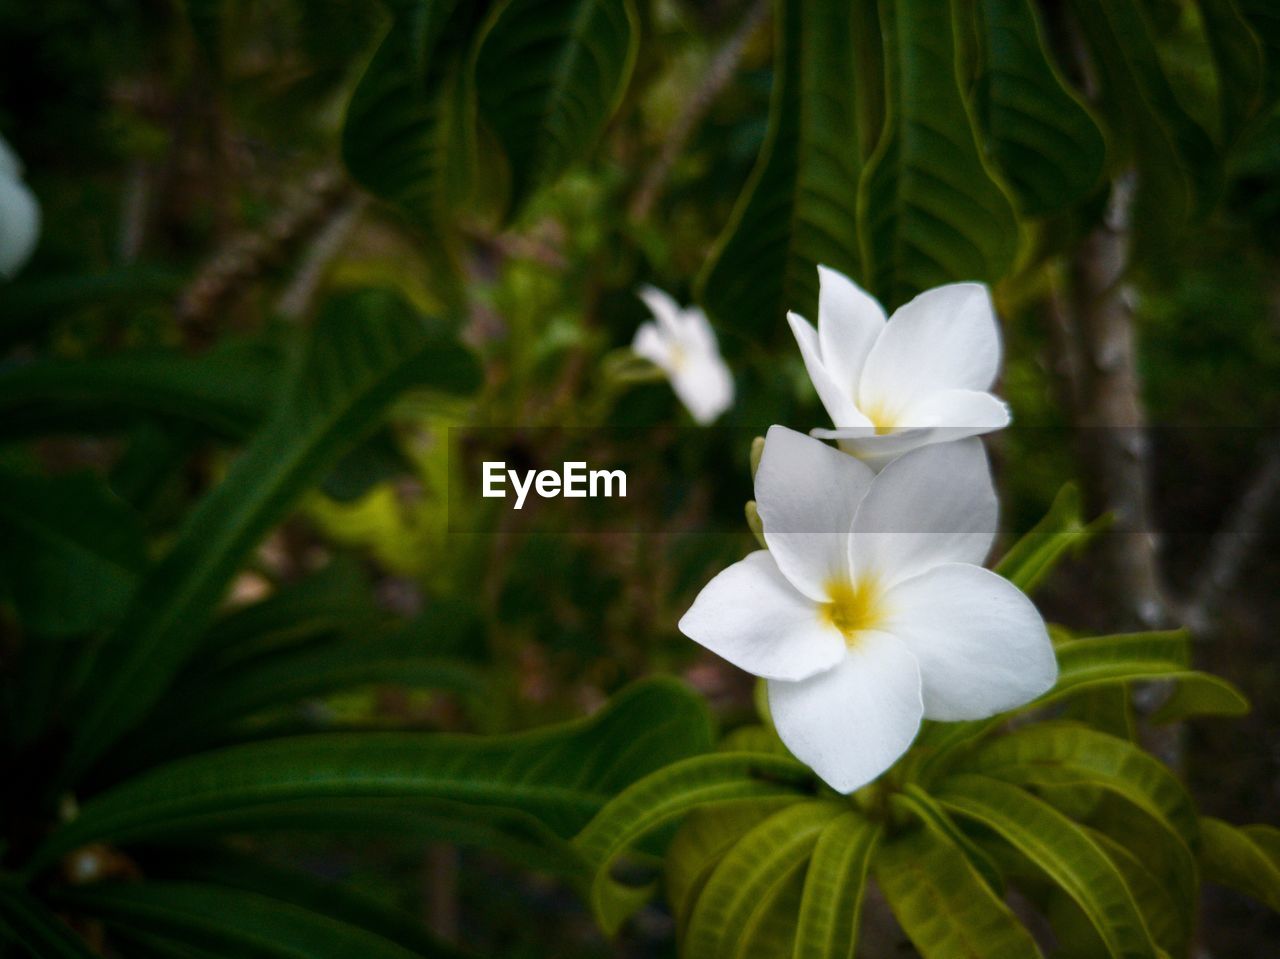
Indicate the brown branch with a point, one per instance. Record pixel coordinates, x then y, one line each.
1233 543
721 70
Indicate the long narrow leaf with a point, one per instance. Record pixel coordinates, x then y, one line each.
831 908
1063 850
1244 858
365 350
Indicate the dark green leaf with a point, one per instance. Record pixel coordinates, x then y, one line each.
365 350
548 75
562 775
1238 58
930 210
1063 529
29 923
72 551
799 208
1045 143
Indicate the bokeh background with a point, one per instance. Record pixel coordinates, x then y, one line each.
196 206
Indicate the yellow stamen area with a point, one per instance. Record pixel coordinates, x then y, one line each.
853 607
881 419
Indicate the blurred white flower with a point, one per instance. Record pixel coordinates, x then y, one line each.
682 344
19 215
868 611
919 377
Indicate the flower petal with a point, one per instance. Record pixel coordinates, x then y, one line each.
751 616
946 338
931 506
650 343
959 412
704 386
807 494
849 320
836 397
852 722
19 225
981 644
663 307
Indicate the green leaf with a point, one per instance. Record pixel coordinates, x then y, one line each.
831 908
1237 55
404 122
1179 173
742 885
548 76
931 211
666 795
225 390
918 803
1264 18
699 844
29 923
365 350
1167 916
224 867
1066 753
72 551
229 921
1063 529
942 903
1063 850
799 208
1043 140
561 775
1243 858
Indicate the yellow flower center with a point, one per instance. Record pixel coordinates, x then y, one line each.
881 418
852 607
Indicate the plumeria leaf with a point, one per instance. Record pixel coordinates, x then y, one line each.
1168 918
1032 558
1264 18
922 806
225 391
699 844
548 77
1044 141
667 794
365 350
229 921
1237 55
1178 170
1063 850
74 551
1244 858
27 922
931 212
831 906
942 903
1055 753
560 776
798 210
744 883
224 867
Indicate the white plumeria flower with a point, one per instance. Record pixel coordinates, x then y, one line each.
919 377
682 344
869 611
19 215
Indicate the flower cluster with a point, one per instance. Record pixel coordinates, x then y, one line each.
19 215
870 609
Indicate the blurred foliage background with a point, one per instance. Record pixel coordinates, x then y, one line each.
230 211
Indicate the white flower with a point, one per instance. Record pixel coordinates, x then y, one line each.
682 344
868 612
19 215
893 385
